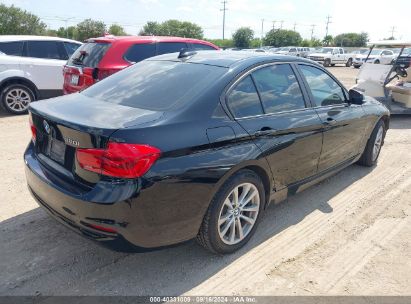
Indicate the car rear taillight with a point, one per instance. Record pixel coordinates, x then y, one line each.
103 73
33 129
118 159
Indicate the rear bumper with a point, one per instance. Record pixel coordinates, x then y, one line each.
142 218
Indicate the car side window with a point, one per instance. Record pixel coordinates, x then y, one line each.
279 89
202 47
171 47
243 100
341 51
324 89
71 47
140 51
293 50
14 48
43 49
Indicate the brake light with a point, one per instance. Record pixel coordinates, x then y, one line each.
103 73
33 129
119 159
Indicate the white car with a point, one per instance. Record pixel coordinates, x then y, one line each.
32 69
289 50
377 56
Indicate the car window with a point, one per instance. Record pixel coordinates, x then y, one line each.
14 48
157 85
71 47
278 88
44 49
170 47
325 90
140 51
341 51
293 50
243 100
202 47
89 54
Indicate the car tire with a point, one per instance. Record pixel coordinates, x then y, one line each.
373 148
377 62
16 98
356 66
349 62
327 62
220 222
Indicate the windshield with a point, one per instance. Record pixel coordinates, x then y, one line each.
326 50
375 52
156 85
407 51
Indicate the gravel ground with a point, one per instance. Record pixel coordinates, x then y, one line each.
349 235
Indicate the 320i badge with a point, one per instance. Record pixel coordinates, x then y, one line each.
195 145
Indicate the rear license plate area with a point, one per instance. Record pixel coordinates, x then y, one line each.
56 150
74 79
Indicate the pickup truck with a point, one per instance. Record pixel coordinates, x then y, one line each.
330 56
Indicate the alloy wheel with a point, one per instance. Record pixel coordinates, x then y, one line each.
18 99
238 213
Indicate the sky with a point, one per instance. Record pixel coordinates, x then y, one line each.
377 18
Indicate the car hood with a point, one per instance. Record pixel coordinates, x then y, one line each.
80 110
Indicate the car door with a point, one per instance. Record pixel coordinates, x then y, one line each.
44 62
270 105
387 57
344 123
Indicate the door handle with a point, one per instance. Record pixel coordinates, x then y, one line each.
264 132
330 121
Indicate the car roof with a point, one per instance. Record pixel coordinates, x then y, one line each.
11 38
112 38
229 58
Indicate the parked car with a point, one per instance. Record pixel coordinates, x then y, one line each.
32 69
304 52
195 145
377 56
104 56
330 56
289 50
405 59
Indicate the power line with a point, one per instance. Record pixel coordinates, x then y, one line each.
224 9
328 22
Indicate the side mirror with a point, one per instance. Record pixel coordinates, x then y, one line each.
355 97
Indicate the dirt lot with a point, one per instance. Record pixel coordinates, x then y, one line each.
351 234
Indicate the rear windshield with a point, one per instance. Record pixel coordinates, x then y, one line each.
89 54
156 85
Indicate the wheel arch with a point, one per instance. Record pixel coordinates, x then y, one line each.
260 167
19 80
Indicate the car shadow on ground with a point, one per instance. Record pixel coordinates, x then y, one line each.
41 257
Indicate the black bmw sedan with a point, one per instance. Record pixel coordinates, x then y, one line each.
195 145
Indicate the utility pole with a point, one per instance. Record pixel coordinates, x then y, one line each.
262 32
281 26
392 32
328 22
274 22
295 24
312 31
224 10
66 23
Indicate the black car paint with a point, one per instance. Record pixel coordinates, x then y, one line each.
202 146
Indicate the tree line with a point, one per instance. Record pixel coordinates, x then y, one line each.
15 21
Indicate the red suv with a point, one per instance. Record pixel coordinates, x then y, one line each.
101 57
